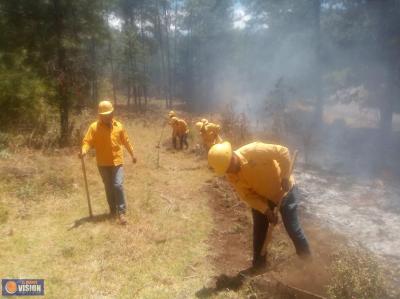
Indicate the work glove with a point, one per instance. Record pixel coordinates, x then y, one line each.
271 216
285 184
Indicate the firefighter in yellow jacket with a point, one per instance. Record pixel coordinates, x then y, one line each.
171 114
209 133
259 172
108 137
179 130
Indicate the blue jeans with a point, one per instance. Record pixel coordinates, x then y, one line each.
113 177
291 222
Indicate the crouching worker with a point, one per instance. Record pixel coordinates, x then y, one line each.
107 136
259 173
180 130
209 133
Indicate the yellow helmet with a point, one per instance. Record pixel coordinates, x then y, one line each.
204 121
174 119
219 157
105 107
171 113
199 125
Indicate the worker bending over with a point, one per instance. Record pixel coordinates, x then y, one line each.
179 131
259 173
209 133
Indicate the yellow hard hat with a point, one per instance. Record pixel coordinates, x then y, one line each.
105 107
174 119
171 113
199 125
204 121
219 157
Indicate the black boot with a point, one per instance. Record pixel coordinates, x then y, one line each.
112 214
258 267
260 262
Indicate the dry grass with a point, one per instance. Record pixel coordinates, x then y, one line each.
161 253
164 251
356 274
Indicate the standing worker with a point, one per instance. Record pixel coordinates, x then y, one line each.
107 136
259 173
209 133
180 130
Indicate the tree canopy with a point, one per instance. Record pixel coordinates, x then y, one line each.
70 54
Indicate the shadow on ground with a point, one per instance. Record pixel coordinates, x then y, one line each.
222 283
93 219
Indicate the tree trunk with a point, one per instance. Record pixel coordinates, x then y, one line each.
138 101
318 73
93 71
144 77
173 87
135 95
129 96
113 79
62 93
167 46
162 51
189 81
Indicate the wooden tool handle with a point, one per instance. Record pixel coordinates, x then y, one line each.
86 186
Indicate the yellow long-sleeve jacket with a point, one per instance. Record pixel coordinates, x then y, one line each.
210 134
108 142
179 128
263 166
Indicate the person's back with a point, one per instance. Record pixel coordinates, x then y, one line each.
180 130
181 127
210 134
261 175
263 166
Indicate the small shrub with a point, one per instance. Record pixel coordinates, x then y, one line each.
4 139
3 214
27 191
355 274
58 183
236 127
4 154
68 252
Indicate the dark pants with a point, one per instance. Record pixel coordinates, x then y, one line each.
182 141
113 177
290 221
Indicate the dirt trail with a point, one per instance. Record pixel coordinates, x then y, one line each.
231 239
185 176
